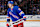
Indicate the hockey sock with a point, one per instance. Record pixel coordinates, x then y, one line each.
22 24
19 25
15 25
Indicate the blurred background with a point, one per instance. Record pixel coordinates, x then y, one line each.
30 7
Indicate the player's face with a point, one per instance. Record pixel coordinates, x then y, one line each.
9 5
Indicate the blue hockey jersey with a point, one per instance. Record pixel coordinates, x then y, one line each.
15 13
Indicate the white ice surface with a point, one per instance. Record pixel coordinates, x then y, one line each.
26 24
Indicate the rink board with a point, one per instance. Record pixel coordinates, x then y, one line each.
28 18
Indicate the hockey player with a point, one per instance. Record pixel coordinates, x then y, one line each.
14 12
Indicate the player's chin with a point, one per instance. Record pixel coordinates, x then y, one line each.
9 6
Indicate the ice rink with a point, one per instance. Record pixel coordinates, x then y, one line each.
26 24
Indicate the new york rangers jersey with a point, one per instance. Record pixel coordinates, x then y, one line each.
15 13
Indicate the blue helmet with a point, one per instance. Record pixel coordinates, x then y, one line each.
10 2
